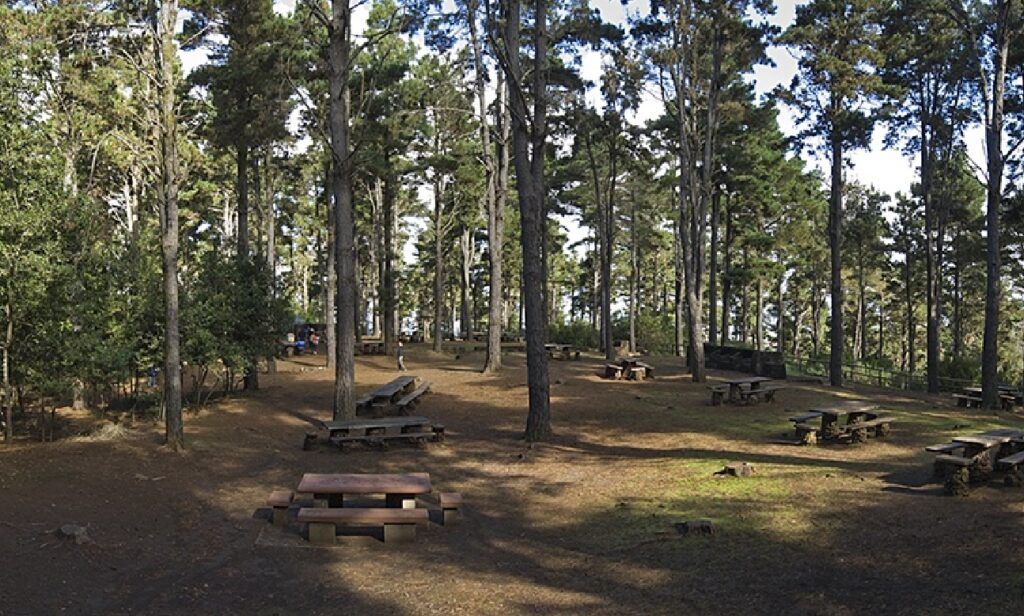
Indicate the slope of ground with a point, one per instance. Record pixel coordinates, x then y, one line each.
584 523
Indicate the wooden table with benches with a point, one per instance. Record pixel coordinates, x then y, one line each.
971 397
861 422
561 351
378 431
974 458
747 389
401 392
631 368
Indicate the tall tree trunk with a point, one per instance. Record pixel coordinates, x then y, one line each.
167 195
713 271
727 273
634 274
330 319
861 329
7 408
835 240
497 195
271 239
529 137
910 327
780 324
679 302
994 110
438 264
931 241
388 283
466 250
958 329
344 215
759 317
242 194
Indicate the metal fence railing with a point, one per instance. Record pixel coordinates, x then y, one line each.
871 375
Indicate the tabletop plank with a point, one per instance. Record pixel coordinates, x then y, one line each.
383 422
984 441
359 483
747 379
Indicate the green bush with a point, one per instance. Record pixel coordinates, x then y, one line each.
654 332
578 333
960 368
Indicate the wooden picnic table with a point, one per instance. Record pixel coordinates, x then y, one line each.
1007 394
386 393
399 491
736 384
378 432
629 363
975 457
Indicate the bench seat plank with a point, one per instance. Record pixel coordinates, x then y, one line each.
945 447
1013 460
363 515
419 391
370 437
355 483
953 460
449 500
384 422
280 498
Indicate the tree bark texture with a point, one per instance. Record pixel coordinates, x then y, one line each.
167 195
529 135
339 51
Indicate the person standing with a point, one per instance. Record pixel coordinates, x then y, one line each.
400 352
314 342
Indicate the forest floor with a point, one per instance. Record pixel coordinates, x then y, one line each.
584 523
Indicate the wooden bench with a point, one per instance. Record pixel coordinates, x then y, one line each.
636 373
1013 460
410 400
806 417
612 371
1012 465
956 471
648 369
416 430
450 503
399 524
718 394
859 431
280 501
807 433
765 393
945 447
966 400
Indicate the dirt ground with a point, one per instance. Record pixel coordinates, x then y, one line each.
584 523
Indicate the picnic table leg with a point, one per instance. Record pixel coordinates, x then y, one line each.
829 427
321 533
733 392
400 501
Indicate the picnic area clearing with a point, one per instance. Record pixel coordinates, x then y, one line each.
584 523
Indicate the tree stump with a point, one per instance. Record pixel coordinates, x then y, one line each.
883 430
958 481
741 469
807 437
1014 478
695 527
983 466
829 429
859 435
